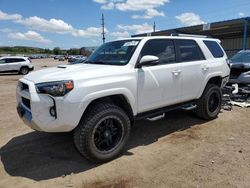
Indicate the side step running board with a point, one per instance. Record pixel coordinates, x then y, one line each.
156 118
189 107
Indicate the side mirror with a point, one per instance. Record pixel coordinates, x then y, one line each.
148 60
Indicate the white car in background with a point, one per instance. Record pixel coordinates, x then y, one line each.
22 65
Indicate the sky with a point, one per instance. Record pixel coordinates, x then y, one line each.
76 23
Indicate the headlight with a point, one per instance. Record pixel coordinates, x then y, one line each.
56 89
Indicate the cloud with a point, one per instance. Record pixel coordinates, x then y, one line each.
100 1
149 7
5 30
41 24
30 35
4 16
241 14
190 18
136 29
150 13
140 5
52 25
59 26
120 34
108 6
89 32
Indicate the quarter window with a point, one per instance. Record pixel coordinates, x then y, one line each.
163 49
214 48
189 51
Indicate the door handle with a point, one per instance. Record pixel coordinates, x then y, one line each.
205 68
176 72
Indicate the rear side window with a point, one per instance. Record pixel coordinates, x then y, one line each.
162 48
214 48
189 51
15 60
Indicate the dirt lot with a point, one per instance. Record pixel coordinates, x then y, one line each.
179 151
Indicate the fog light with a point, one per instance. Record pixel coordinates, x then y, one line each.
52 111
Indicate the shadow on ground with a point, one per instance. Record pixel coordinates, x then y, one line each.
8 73
41 156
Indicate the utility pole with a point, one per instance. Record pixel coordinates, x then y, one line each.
103 29
154 26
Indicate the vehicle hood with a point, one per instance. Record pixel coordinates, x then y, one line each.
71 72
240 65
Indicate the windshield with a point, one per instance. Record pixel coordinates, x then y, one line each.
114 53
242 57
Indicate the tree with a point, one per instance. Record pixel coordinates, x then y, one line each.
85 52
56 51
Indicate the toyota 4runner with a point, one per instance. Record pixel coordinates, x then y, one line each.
123 81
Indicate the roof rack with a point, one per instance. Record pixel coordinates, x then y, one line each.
190 35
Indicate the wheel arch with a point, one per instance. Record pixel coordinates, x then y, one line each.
214 79
118 99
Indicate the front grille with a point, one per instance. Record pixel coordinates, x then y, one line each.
26 102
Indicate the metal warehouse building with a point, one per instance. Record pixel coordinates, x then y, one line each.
233 34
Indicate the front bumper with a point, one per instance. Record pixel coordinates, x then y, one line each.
34 109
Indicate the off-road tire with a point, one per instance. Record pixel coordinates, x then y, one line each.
202 109
24 70
83 134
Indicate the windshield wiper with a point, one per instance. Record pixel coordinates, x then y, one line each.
98 62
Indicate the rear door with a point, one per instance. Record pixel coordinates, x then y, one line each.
192 65
159 85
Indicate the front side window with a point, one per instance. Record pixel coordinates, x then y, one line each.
114 53
189 50
162 48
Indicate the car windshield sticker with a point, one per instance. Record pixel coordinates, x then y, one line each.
131 43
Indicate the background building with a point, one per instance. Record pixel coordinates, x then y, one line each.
233 34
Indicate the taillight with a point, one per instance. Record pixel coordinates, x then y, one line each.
29 60
228 63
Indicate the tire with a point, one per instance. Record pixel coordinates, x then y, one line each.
24 70
102 132
209 105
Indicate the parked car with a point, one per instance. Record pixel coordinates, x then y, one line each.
240 68
22 65
76 61
61 58
75 58
124 81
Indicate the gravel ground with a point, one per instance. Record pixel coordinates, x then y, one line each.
178 151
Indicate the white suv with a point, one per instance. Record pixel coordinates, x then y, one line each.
22 65
124 81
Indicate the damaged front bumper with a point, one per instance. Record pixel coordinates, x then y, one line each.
240 74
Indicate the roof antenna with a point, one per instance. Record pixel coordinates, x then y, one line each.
154 26
103 29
